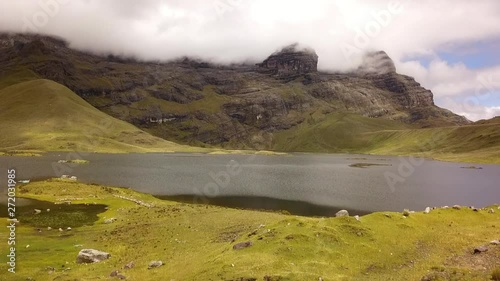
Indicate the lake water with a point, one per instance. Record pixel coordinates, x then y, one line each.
306 184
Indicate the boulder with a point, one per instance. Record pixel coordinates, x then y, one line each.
91 256
427 210
155 264
457 207
406 212
36 211
242 245
480 249
111 220
491 211
129 265
342 213
357 217
495 242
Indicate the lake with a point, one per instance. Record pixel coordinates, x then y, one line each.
304 184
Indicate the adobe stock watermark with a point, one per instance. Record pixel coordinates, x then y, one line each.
379 20
224 6
47 9
408 165
486 87
92 139
220 180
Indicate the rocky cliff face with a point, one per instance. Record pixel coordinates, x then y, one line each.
376 63
230 106
290 62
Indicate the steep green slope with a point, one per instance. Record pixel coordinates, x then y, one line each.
44 115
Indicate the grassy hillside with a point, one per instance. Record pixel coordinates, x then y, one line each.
472 143
44 115
352 133
338 132
195 242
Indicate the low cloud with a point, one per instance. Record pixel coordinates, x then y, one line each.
237 30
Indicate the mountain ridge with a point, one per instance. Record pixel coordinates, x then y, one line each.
238 106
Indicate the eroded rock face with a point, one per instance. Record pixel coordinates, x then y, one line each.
377 63
290 61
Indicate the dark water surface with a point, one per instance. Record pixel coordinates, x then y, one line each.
307 184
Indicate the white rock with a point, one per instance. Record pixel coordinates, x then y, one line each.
342 213
427 210
155 264
357 217
91 256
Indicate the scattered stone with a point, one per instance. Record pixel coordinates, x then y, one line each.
48 210
342 213
406 212
129 265
60 229
114 273
49 228
253 233
445 207
491 211
155 264
242 245
457 207
495 242
475 209
121 277
357 217
91 256
68 229
480 249
36 211
387 215
111 220
427 210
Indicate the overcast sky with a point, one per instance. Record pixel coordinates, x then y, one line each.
450 46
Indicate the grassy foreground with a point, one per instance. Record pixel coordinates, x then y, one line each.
195 242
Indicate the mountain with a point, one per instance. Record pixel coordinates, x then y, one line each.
282 103
236 106
44 115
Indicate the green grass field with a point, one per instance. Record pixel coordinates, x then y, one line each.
195 241
351 133
41 115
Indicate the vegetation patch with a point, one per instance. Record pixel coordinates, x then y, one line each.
195 242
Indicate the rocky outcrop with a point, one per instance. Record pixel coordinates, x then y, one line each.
290 62
376 63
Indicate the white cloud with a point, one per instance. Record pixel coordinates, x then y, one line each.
236 30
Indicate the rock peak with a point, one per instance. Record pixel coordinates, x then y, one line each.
290 61
376 63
